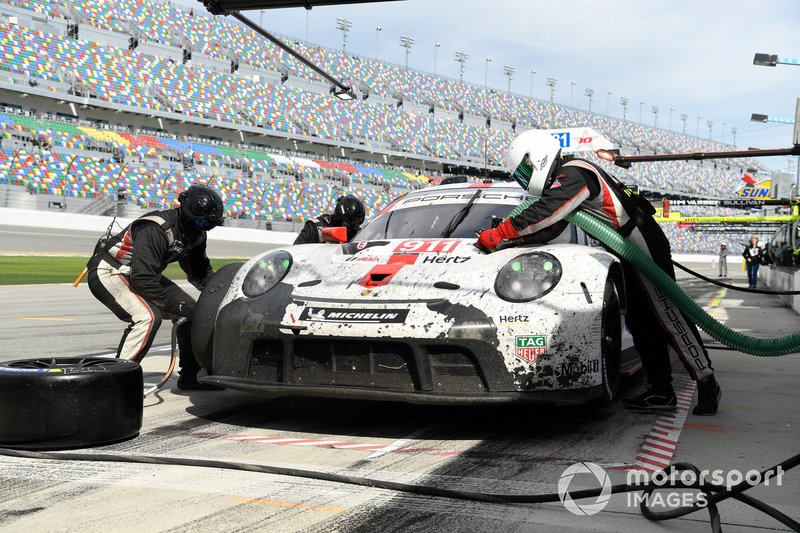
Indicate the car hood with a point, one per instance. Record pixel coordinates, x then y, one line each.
395 269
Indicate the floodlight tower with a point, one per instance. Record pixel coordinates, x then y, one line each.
734 130
486 72
757 117
608 102
684 118
552 82
435 50
590 93
671 110
697 130
655 109
641 104
378 29
509 71
407 43
710 124
461 57
533 73
344 25
624 100
572 85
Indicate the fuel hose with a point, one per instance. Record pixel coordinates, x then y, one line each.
761 347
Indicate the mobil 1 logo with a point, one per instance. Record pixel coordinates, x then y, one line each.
580 368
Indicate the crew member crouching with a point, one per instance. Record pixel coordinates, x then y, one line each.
125 274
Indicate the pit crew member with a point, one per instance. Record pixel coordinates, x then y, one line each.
125 274
655 322
348 212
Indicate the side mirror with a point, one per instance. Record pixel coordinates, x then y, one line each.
337 235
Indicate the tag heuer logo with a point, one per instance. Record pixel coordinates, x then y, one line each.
531 347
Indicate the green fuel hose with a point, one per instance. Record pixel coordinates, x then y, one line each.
785 345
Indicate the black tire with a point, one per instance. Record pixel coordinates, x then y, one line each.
70 402
611 342
205 314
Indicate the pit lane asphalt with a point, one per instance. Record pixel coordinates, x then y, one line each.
519 449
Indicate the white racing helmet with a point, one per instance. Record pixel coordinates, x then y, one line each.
532 158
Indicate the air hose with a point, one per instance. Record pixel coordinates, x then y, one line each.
173 358
715 493
785 345
732 287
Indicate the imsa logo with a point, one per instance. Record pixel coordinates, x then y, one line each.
531 347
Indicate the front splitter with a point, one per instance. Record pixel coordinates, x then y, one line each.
557 398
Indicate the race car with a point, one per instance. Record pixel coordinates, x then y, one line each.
411 310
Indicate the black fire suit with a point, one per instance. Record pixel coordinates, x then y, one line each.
653 320
125 274
312 230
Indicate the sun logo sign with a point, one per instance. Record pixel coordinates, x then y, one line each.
584 509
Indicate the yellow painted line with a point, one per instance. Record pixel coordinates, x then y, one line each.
291 505
718 298
45 318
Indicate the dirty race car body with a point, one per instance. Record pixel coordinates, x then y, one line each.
412 311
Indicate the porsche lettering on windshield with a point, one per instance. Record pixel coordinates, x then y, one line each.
450 198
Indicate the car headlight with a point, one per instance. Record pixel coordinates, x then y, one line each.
528 277
266 273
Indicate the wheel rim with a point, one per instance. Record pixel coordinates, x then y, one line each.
76 364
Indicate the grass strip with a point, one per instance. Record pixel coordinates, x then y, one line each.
31 270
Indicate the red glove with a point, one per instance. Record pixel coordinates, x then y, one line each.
490 238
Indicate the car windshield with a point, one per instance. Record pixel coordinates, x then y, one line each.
428 216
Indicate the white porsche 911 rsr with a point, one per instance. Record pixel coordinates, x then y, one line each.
412 311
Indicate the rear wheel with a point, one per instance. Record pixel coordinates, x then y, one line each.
611 342
205 314
69 402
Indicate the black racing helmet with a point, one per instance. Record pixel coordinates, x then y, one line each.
202 207
349 212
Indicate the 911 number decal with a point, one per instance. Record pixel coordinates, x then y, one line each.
442 246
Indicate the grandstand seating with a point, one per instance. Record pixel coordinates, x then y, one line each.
312 186
132 78
155 83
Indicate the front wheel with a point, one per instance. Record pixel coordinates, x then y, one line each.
611 342
205 314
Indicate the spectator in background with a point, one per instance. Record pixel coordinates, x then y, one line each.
767 257
753 255
723 260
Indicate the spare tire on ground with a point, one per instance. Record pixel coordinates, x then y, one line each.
69 402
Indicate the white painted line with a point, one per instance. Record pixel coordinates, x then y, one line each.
393 447
399 443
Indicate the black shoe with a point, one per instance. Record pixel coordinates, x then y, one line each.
653 399
185 383
708 396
